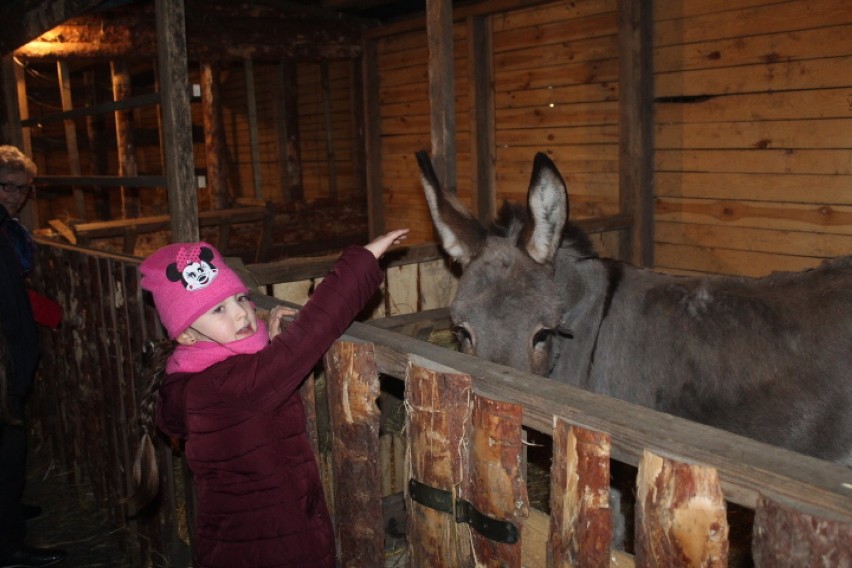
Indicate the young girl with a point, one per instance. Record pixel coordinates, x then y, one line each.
230 391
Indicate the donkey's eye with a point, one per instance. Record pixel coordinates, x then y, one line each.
540 338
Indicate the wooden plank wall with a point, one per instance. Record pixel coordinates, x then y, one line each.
753 134
555 80
753 152
316 173
404 126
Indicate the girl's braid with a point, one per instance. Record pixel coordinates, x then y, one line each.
146 471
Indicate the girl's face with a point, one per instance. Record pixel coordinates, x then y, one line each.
232 319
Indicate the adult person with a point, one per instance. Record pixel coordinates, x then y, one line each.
22 352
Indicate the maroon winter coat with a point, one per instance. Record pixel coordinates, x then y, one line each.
260 499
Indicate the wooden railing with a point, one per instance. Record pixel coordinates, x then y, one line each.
803 506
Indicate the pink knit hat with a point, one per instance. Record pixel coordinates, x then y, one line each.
186 280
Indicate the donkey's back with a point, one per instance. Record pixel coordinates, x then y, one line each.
770 358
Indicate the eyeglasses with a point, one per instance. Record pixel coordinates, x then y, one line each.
12 188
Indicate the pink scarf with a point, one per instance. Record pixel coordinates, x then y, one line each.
202 354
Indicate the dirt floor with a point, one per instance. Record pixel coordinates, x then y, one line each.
70 519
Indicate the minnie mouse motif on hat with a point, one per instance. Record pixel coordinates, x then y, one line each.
186 280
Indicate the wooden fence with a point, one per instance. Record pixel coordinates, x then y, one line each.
463 476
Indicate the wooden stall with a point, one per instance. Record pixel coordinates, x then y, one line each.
461 459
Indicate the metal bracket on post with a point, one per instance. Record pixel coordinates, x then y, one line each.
463 512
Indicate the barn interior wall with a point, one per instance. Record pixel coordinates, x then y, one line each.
753 129
555 82
753 157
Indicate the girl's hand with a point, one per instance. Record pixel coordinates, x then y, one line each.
380 244
277 317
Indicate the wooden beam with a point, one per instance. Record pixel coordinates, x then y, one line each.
124 138
330 160
146 99
71 137
217 31
482 111
439 37
177 125
214 136
254 143
636 121
31 19
373 141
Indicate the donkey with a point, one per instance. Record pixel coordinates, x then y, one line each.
768 358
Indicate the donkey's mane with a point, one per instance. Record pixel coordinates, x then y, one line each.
514 222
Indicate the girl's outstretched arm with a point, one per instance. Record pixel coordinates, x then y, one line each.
380 244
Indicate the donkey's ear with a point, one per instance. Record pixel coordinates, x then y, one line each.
461 234
548 207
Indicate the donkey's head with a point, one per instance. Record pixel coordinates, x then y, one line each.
508 306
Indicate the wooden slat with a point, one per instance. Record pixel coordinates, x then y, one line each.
353 388
438 410
787 536
495 484
581 520
680 515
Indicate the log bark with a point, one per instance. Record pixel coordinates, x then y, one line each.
787 537
496 486
680 515
353 388
581 519
438 410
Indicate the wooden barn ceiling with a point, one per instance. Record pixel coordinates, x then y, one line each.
287 27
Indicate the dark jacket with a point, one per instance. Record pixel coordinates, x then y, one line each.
260 498
16 315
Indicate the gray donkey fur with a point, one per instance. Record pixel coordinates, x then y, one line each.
768 358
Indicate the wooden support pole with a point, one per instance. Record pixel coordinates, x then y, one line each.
287 130
124 140
680 515
177 121
353 388
438 403
636 127
97 150
330 160
439 33
373 141
254 142
482 110
580 513
71 138
214 137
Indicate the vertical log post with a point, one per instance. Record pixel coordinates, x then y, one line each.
124 139
214 137
680 515
580 514
254 137
787 537
71 137
353 388
438 403
496 486
177 120
442 92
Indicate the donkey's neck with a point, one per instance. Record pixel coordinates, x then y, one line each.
588 285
